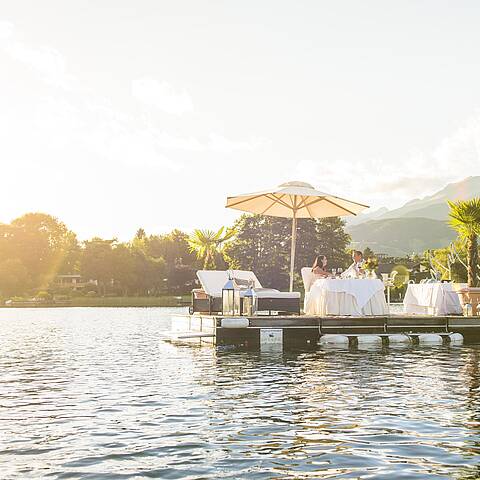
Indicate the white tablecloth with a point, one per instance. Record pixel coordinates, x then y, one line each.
346 297
431 299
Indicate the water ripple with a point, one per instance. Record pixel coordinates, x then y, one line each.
93 393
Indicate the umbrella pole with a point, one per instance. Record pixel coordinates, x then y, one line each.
292 251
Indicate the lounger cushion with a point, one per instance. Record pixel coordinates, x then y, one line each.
213 281
271 293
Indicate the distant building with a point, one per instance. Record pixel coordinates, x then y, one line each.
73 282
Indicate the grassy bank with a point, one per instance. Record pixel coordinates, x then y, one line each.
164 301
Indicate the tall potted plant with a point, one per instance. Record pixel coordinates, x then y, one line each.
465 219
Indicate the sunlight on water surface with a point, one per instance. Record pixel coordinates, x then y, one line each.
93 393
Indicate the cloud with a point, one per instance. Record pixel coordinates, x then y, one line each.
456 157
170 141
57 122
390 183
459 151
97 131
161 95
49 63
411 185
219 143
215 143
73 129
110 134
6 30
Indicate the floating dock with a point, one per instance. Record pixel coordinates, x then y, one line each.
303 332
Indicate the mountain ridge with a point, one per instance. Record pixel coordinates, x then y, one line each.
435 206
420 224
401 236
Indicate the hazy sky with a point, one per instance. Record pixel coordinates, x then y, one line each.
116 114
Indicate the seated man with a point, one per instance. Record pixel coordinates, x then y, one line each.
355 270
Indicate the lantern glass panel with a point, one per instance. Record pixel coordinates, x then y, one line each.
236 302
228 301
247 307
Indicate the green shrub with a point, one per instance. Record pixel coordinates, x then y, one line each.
18 299
43 295
62 298
77 293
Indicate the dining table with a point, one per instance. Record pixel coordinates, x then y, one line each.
432 298
346 297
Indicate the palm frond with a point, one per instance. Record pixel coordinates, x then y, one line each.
230 233
465 217
218 235
207 243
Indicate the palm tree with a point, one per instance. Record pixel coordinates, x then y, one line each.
465 219
207 244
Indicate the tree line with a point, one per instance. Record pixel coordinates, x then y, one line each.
36 247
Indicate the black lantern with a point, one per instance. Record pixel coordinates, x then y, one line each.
231 298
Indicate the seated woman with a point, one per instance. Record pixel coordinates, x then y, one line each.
319 268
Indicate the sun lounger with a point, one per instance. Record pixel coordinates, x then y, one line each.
208 299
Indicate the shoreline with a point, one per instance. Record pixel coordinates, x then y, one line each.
127 302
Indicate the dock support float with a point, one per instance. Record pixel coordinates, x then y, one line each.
306 332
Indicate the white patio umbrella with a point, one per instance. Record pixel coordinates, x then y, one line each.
294 200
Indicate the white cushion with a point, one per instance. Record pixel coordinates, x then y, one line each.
272 293
213 281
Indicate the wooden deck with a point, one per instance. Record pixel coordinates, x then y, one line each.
304 331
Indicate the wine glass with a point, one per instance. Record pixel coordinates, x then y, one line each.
340 270
334 272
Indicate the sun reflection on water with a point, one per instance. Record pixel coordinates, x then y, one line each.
94 393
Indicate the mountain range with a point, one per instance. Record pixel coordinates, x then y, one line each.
418 225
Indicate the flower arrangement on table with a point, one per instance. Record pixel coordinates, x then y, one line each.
370 265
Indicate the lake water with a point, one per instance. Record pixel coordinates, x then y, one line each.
93 393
